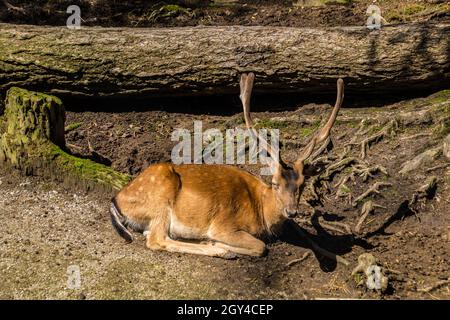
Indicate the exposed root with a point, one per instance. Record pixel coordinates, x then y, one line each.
295 261
13 8
368 208
437 167
366 172
317 248
437 285
424 191
373 189
336 167
335 226
390 128
324 147
98 157
414 136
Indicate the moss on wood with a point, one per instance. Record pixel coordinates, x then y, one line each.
32 140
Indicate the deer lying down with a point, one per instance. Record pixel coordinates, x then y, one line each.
229 209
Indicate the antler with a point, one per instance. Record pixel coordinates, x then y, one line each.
246 84
323 133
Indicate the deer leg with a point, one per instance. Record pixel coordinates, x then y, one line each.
158 239
240 242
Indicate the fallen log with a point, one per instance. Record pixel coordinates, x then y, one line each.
32 140
123 62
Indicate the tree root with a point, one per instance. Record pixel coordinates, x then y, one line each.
317 248
368 208
437 167
336 167
373 189
335 226
390 128
322 149
366 172
424 191
437 285
295 261
13 8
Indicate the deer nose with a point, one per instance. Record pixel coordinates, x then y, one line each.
290 213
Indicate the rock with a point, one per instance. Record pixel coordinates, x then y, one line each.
446 147
420 160
416 117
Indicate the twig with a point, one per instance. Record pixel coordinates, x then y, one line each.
304 257
70 145
437 167
416 136
435 286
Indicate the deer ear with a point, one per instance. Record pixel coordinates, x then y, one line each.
305 169
309 170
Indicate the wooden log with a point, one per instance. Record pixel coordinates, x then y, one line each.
124 62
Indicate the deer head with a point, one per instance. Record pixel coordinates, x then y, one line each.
288 178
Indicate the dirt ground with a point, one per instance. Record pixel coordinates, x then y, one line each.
47 227
302 13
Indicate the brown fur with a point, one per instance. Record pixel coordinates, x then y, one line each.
229 208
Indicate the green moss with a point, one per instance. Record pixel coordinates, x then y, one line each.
88 170
33 142
442 129
413 9
167 11
358 278
72 127
344 189
308 131
441 97
270 124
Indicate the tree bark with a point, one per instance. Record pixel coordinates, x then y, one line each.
32 140
123 62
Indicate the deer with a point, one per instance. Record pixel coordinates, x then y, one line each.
213 209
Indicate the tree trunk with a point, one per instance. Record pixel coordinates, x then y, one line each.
123 62
32 140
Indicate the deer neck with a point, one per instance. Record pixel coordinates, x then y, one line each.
271 213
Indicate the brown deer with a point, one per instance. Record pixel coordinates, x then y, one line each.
225 210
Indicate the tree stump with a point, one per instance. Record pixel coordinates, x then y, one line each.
32 140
